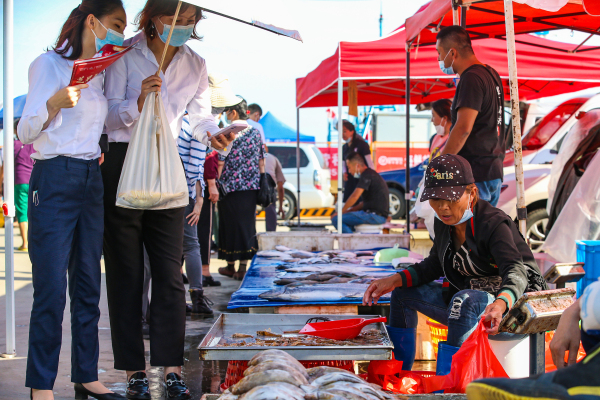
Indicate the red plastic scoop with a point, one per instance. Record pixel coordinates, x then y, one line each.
343 329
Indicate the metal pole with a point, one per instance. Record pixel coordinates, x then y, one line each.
455 15
340 155
298 161
407 195
9 179
463 16
516 115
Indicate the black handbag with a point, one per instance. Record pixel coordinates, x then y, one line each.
266 194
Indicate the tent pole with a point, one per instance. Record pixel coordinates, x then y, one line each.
298 161
516 117
340 155
455 15
463 17
9 180
407 195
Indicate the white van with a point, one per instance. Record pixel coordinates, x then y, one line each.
314 177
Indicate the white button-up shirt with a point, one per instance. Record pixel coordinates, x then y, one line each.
185 87
74 132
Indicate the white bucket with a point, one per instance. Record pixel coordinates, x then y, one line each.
513 355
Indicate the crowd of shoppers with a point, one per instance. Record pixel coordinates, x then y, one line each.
68 195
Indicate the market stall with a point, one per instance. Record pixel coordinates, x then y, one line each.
503 19
378 69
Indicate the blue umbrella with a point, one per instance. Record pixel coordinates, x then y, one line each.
19 104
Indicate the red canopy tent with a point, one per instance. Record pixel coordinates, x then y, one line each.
503 19
485 19
379 67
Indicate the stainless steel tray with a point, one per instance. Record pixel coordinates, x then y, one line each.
228 324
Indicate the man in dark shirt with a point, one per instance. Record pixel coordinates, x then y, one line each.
477 132
374 208
354 144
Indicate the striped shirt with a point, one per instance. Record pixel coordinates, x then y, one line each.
193 154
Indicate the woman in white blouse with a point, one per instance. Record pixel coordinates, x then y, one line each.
183 85
64 123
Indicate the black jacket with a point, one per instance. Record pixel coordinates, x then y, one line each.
497 246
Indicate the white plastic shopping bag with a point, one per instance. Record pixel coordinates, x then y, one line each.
152 177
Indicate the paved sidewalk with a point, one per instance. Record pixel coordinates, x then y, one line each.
12 371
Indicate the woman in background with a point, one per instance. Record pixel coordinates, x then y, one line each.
354 144
240 179
64 123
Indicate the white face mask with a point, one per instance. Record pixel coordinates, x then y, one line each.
440 129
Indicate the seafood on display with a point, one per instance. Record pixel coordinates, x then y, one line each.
275 375
318 292
369 337
301 257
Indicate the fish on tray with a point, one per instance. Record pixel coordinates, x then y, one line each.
333 269
333 292
274 254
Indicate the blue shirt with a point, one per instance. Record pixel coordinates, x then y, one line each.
193 154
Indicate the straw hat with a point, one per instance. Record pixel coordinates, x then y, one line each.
221 94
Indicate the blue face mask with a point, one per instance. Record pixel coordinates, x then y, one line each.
181 34
112 37
357 175
467 215
449 70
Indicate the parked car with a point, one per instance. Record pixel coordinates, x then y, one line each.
536 177
314 177
396 182
542 141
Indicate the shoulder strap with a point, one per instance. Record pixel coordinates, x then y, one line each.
501 86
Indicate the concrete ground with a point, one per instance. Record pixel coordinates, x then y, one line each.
202 377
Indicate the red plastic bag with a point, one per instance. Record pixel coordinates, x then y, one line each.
474 360
549 363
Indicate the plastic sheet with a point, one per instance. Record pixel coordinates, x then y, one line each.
424 210
579 218
259 279
569 145
152 177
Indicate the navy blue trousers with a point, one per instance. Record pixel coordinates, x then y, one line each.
66 224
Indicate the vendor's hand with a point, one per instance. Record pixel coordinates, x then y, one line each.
492 316
380 287
567 337
281 212
213 192
101 159
67 97
149 85
345 176
194 217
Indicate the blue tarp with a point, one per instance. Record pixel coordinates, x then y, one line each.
19 105
277 131
259 279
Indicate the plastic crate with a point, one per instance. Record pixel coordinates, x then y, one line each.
588 252
235 369
439 333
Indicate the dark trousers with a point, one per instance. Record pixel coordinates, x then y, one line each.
125 234
65 237
205 228
271 218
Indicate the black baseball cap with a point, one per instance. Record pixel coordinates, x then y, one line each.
447 178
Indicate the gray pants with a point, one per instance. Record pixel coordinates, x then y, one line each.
191 250
271 218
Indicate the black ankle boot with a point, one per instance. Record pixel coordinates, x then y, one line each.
200 304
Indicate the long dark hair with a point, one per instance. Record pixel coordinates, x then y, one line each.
350 126
159 8
72 30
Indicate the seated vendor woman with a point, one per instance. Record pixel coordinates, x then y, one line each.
478 251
